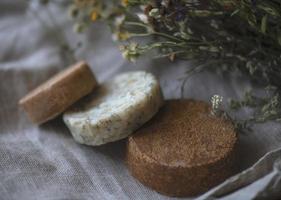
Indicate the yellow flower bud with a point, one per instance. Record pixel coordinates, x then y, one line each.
125 3
94 16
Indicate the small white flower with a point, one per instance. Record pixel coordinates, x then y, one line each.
216 101
114 37
155 13
130 52
119 20
142 17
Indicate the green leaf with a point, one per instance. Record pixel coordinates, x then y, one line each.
252 19
235 12
264 24
269 10
251 67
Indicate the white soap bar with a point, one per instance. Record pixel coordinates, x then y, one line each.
116 109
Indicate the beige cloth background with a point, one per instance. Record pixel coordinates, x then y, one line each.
45 163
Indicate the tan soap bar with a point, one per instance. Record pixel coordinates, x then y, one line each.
183 150
55 95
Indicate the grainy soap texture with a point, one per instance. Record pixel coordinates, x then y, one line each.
116 109
183 150
52 97
45 163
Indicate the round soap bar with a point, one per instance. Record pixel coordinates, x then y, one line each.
116 109
52 97
183 150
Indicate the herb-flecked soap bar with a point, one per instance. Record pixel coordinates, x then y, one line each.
116 109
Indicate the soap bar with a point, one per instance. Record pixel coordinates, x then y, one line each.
184 150
116 109
53 96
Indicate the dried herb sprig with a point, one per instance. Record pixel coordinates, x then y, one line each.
242 35
216 102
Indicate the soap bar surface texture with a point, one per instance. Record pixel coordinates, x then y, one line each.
52 97
183 151
116 109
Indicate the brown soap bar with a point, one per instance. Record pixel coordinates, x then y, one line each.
52 97
183 150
